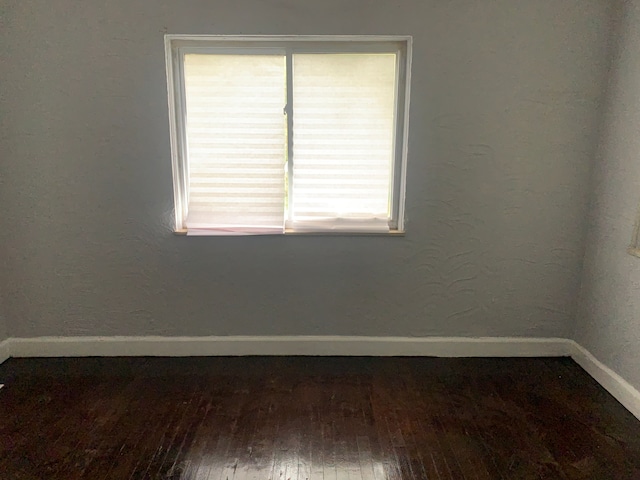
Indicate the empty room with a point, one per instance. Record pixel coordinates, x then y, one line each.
304 239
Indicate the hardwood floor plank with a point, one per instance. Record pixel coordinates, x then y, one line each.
315 445
31 434
523 452
174 463
204 436
382 399
365 458
137 426
212 468
98 424
155 445
259 460
469 448
328 438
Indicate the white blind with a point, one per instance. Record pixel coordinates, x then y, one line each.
235 130
343 133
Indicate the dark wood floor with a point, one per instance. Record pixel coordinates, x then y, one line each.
309 418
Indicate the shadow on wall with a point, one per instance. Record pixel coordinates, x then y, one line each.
634 248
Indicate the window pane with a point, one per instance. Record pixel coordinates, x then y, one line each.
343 114
236 142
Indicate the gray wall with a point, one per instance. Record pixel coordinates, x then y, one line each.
504 112
3 329
609 317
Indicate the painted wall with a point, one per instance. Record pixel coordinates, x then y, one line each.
609 316
3 329
504 113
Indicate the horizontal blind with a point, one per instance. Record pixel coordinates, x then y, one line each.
235 129
343 134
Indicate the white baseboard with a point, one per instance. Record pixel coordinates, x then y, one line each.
290 345
617 386
624 392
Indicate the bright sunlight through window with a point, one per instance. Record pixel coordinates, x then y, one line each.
274 135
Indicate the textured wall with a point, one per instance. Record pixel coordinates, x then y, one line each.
3 328
609 316
504 112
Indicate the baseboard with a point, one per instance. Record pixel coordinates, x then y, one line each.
624 392
290 345
617 386
4 350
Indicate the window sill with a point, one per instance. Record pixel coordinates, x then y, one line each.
288 233
634 251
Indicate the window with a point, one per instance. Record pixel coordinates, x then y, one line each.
288 134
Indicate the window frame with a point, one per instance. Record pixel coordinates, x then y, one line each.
176 46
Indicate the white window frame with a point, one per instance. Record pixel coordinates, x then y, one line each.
176 46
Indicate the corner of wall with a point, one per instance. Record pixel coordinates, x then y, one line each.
617 10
